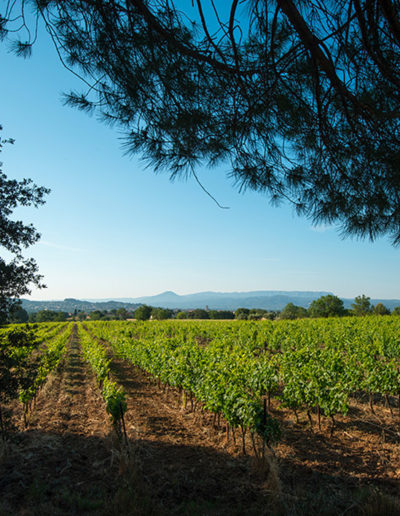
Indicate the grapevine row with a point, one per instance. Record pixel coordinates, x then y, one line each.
115 398
217 376
313 365
53 342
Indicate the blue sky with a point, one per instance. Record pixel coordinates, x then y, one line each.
112 228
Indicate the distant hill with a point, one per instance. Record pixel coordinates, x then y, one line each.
267 299
70 305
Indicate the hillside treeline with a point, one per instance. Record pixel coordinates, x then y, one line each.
325 306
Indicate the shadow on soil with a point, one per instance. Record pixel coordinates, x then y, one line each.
54 474
346 457
66 474
321 477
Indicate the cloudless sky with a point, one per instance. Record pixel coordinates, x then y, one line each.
112 228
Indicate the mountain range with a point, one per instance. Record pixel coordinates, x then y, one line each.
267 299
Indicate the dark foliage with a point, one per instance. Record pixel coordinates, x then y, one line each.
18 314
18 367
221 314
198 313
362 305
143 313
292 311
48 316
242 313
161 313
18 274
327 306
301 96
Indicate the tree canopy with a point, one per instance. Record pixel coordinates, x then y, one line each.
300 96
292 311
143 313
48 316
327 306
381 309
242 313
362 305
198 313
161 314
19 273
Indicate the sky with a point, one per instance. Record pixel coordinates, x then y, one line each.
112 228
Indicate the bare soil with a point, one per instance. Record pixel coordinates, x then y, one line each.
177 461
58 464
353 471
185 462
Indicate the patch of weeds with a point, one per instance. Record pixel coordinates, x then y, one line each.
198 508
132 496
132 500
378 504
37 491
78 503
320 501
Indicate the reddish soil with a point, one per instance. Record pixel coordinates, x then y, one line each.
184 460
58 464
356 468
359 462
177 462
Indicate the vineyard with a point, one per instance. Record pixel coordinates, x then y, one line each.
201 417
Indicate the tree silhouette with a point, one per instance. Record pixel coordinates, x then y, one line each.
19 273
300 96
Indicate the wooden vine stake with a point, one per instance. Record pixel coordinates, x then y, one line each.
263 427
124 427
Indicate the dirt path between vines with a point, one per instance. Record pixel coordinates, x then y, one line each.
183 459
61 463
